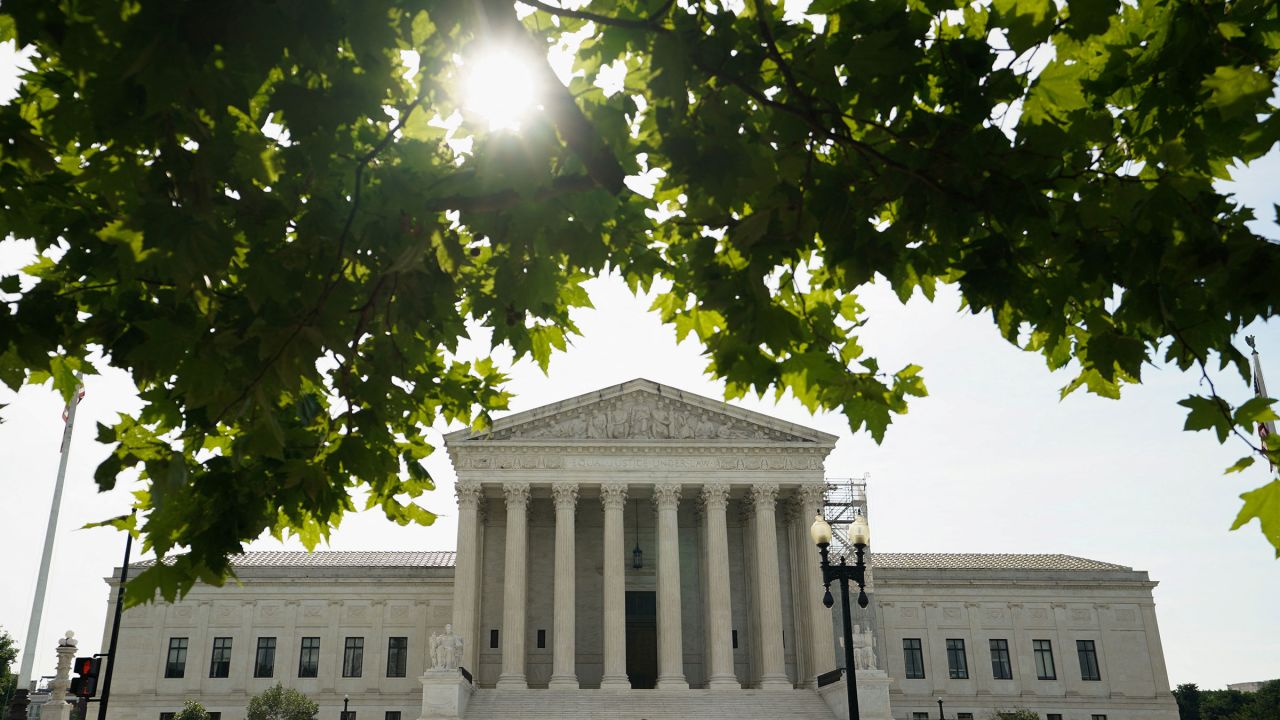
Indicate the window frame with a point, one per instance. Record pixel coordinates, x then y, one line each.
400 669
353 657
913 658
309 657
1087 654
270 665
1042 653
391 715
1001 662
957 660
170 663
220 658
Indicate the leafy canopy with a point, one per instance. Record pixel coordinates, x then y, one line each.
281 703
275 218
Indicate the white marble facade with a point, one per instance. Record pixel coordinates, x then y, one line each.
727 604
555 500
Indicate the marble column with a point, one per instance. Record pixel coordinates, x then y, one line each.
564 672
720 674
773 669
515 588
801 594
666 496
823 646
614 499
466 575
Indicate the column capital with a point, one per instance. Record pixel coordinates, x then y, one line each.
517 493
613 497
666 495
764 495
565 494
812 495
468 493
715 496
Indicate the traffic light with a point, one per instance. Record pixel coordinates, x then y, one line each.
85 684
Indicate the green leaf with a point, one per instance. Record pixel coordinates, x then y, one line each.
1236 91
1240 465
1264 504
1207 414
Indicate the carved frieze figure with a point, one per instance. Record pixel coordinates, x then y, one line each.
446 649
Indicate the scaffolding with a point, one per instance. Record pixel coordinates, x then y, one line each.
844 498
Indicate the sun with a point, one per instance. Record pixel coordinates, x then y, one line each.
500 87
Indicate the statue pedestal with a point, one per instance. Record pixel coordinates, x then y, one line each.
444 694
873 696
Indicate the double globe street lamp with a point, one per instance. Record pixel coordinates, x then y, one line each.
844 572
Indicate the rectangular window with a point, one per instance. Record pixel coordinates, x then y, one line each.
168 716
264 662
347 715
542 639
353 657
957 663
215 716
1043 650
220 662
964 716
1099 717
392 715
1088 660
397 656
175 666
1053 716
493 638
1001 667
309 658
913 657
735 639
919 716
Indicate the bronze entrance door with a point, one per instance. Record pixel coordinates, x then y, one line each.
642 638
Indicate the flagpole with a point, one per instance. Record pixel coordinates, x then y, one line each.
31 647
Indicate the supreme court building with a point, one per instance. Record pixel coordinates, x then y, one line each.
643 552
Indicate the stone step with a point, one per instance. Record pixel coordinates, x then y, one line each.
491 704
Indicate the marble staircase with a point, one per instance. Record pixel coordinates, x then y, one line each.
489 704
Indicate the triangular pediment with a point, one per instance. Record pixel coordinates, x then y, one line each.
643 411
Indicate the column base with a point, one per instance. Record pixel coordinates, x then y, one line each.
672 682
617 682
723 682
512 682
775 682
563 682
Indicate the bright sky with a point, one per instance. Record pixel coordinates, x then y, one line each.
991 461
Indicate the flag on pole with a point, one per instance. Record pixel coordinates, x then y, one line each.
1266 427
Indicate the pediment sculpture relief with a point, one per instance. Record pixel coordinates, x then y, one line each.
641 418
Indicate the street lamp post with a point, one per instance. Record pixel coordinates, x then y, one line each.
940 715
345 700
843 572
